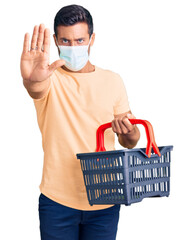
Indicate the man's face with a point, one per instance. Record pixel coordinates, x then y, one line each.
75 35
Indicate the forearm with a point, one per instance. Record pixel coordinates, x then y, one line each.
129 140
36 89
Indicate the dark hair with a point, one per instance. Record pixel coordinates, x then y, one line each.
72 14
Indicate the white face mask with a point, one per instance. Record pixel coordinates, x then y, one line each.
76 57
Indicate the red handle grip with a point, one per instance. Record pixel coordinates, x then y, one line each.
149 134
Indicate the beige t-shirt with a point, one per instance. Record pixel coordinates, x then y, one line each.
68 115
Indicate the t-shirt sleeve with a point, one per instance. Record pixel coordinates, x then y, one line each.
121 104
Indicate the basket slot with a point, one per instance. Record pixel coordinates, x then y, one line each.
148 174
86 180
134 161
101 163
104 179
153 189
89 195
109 194
82 164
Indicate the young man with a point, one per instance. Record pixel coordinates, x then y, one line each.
73 98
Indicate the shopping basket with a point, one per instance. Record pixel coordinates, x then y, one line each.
129 175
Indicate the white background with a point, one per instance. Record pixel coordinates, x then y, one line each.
151 45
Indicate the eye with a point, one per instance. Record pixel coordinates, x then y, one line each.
80 40
65 41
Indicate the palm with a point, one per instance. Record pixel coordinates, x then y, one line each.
35 66
35 62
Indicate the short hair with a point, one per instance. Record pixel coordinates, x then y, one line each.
72 14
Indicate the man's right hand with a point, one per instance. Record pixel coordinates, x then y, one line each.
34 64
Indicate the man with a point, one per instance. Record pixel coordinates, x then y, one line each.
73 98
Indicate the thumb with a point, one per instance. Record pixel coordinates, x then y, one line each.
56 65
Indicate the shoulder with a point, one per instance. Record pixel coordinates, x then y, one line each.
109 73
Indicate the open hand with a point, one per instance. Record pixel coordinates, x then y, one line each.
35 60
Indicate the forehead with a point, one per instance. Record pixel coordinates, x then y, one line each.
75 31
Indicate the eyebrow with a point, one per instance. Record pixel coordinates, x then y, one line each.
74 39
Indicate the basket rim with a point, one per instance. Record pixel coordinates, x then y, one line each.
162 149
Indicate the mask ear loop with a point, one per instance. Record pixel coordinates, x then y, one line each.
90 40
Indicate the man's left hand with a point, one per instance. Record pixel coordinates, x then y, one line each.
122 125
128 134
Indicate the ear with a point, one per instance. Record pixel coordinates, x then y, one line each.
93 39
55 39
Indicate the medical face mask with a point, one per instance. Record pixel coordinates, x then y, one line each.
75 57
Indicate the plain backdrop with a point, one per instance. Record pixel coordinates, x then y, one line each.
150 43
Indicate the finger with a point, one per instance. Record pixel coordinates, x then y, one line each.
40 37
113 126
131 116
34 38
117 127
26 43
124 129
56 65
127 124
46 42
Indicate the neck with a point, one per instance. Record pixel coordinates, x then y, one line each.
87 69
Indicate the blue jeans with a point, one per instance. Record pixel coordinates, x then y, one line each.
58 222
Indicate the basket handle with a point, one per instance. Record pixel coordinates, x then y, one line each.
149 134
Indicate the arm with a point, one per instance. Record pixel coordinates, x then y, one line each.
36 89
34 65
128 134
